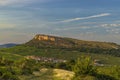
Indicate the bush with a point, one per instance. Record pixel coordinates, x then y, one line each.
116 72
9 76
6 74
61 66
84 66
27 71
85 78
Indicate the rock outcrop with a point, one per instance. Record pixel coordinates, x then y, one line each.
44 38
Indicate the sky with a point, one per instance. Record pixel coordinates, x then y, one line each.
93 20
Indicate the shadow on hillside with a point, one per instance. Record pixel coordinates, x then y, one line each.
94 77
104 77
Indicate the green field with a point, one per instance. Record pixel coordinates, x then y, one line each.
10 56
59 54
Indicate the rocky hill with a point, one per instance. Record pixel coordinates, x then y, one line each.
50 41
41 40
54 42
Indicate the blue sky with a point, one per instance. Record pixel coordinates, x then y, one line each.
96 20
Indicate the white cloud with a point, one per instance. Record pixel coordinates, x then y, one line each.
8 2
19 2
113 31
73 28
110 25
89 17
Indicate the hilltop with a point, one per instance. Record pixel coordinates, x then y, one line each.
54 42
41 40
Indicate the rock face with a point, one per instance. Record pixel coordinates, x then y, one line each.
41 40
44 38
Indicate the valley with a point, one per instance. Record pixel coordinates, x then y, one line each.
58 55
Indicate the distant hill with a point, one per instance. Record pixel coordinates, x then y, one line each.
41 40
55 42
8 45
67 48
61 47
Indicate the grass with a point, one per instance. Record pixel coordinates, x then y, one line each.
59 54
59 74
43 74
18 52
10 56
63 74
49 74
111 71
107 71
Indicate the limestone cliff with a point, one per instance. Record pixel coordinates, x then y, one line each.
41 40
44 38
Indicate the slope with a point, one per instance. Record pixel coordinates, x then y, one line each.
53 42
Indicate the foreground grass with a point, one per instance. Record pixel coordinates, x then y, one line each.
107 72
10 56
111 71
63 74
104 73
49 74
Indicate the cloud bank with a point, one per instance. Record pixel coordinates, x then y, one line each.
21 2
89 17
110 25
8 2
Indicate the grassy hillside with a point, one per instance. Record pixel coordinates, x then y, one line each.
22 71
41 40
65 48
11 56
53 42
60 74
50 74
59 53
42 73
